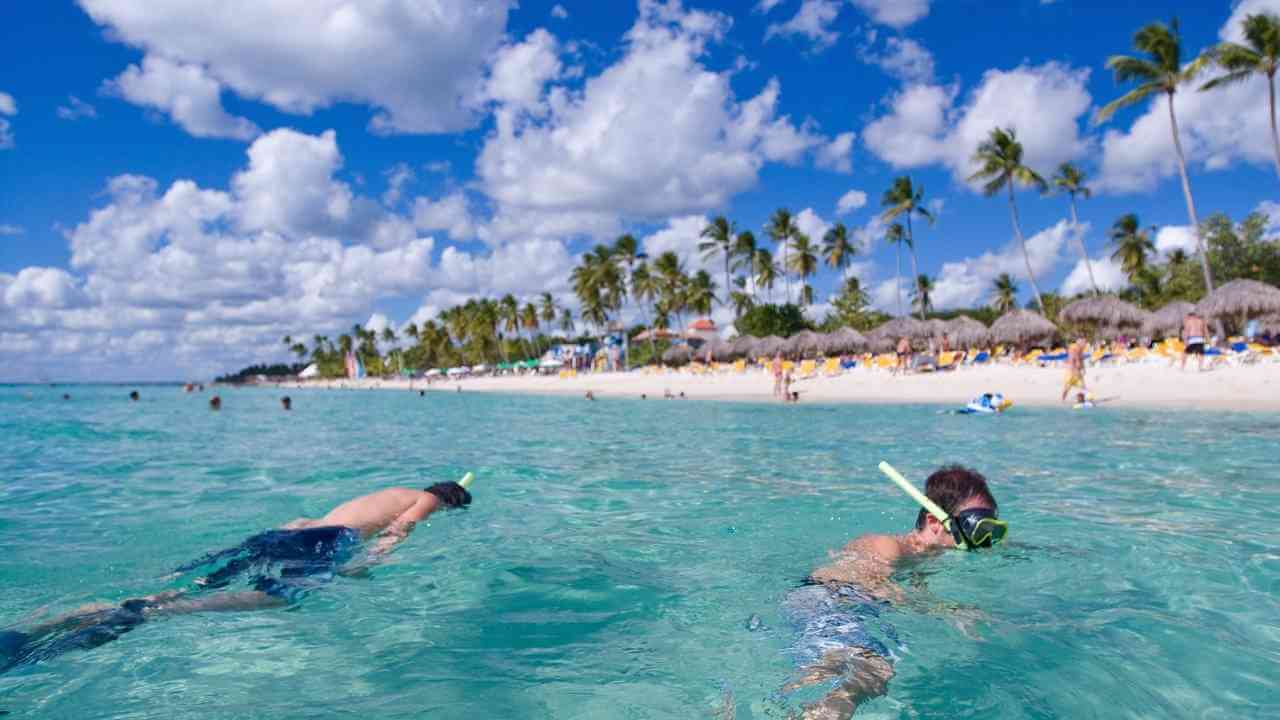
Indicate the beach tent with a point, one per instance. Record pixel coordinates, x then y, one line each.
454 372
433 372
551 363
310 371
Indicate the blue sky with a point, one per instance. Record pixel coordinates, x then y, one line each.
182 186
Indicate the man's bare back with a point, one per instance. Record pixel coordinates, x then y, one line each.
375 512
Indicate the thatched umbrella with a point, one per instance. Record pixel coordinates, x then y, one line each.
721 351
844 340
1168 319
1022 326
769 346
1242 298
676 355
965 332
741 346
1104 311
885 337
937 327
1269 324
805 342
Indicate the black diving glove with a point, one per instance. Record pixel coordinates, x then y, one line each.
451 494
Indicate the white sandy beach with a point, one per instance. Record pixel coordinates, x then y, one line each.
1147 385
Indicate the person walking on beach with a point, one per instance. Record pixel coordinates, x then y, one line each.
1075 368
1194 331
904 356
776 368
279 567
837 605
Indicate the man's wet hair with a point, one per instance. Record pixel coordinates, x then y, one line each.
951 486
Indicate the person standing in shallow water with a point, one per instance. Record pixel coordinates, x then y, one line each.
133 395
215 403
776 368
286 402
832 609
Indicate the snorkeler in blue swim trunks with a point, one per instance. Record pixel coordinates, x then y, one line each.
837 611
279 567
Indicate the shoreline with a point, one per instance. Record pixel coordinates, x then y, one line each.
1244 388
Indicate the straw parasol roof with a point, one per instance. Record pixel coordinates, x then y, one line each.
1167 319
1104 311
770 345
676 355
720 350
1269 324
937 327
885 337
805 342
742 345
844 340
1021 326
1241 297
967 332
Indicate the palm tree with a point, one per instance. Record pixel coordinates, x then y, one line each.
1261 56
598 285
672 284
1000 164
1132 246
701 293
566 322
529 322
804 262
298 349
903 199
838 249
766 271
644 288
509 318
548 308
1005 297
1162 73
1070 180
922 298
742 300
896 235
719 241
781 228
389 335
744 257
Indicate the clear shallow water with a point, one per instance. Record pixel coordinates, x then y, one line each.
616 551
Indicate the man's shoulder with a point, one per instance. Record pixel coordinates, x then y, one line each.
885 547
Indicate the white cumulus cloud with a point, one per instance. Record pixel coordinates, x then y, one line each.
895 13
598 154
416 64
850 201
186 93
968 282
812 21
1042 103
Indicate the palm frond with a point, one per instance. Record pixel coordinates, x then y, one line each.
1231 78
1128 68
1133 97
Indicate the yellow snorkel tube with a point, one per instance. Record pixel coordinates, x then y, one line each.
466 481
988 530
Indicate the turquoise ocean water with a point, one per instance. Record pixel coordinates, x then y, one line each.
617 552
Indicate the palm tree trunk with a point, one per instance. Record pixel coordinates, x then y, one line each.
897 278
1084 252
915 271
1017 232
1191 205
1275 137
786 267
727 297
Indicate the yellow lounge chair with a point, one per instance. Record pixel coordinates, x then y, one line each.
831 367
808 368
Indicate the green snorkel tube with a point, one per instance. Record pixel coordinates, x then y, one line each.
467 479
985 526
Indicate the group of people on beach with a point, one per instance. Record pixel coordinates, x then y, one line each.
831 610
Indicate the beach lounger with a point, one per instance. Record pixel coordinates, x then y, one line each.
948 360
981 358
740 366
808 368
831 367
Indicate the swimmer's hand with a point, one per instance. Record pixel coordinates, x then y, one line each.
451 494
